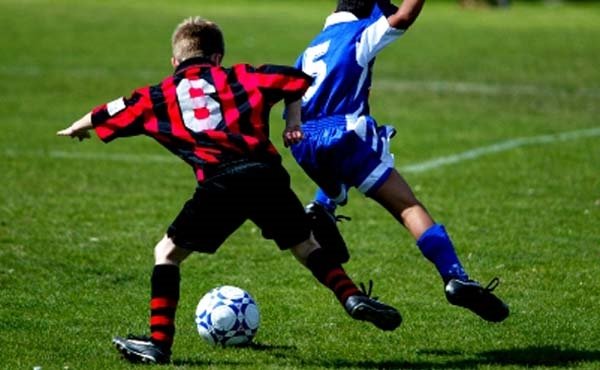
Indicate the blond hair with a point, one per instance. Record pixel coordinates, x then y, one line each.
196 37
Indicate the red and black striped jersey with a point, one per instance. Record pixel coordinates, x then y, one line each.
205 114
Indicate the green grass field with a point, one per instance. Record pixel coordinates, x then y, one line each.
498 133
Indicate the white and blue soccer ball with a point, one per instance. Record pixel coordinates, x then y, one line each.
228 316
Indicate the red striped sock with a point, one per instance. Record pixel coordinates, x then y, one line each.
332 275
163 304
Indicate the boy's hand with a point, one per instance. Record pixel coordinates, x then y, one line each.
79 129
79 134
292 135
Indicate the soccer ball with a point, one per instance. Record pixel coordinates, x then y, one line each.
228 316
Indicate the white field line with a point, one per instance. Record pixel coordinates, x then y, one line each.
476 88
414 168
498 147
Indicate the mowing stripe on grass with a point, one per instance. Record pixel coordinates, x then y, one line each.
414 168
456 87
95 156
499 147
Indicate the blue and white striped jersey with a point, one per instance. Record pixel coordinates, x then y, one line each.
340 60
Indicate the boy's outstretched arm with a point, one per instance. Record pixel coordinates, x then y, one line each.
406 14
292 133
79 129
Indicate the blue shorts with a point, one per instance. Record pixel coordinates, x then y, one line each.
340 152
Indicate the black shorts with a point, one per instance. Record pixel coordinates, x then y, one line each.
237 192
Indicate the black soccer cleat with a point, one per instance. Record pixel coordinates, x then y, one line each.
471 295
362 307
140 349
325 231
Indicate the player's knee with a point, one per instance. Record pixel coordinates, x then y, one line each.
166 252
395 194
304 249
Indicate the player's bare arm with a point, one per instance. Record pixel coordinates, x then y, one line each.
79 129
292 133
406 14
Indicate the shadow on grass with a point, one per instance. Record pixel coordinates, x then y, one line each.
548 356
541 356
277 351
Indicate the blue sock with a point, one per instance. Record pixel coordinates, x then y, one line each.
325 201
436 246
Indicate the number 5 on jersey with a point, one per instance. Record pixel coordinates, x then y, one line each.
314 66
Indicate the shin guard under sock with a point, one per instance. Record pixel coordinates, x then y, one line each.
436 246
332 275
163 304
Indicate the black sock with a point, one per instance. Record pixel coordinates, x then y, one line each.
163 304
332 275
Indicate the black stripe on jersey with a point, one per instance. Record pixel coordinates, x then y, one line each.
132 129
205 74
187 155
240 97
102 115
275 94
159 107
282 70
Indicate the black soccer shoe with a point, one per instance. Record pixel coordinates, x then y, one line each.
138 349
471 295
362 307
325 231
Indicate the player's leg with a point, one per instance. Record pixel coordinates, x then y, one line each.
378 179
370 167
331 274
210 205
328 272
281 217
321 213
164 293
317 155
167 253
435 244
396 196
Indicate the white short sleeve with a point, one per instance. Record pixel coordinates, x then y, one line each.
374 38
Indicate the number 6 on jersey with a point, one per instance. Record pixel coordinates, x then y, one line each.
198 109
